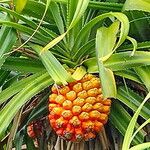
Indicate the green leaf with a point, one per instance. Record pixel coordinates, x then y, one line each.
132 100
57 17
29 22
140 128
102 49
40 22
7 39
53 42
19 139
40 110
143 5
84 50
139 22
26 30
116 115
17 87
134 43
53 66
129 74
36 10
103 37
13 130
34 87
3 76
10 81
23 65
81 7
120 61
29 142
142 45
143 73
142 146
123 29
19 5
97 5
79 73
131 126
71 8
106 6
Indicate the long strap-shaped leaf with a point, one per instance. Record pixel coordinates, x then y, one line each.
18 86
11 108
28 22
81 7
129 74
120 61
7 39
47 5
120 119
130 129
103 37
140 128
124 29
132 100
23 65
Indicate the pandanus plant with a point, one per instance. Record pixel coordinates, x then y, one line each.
82 56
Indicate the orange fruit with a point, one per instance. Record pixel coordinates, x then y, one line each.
78 110
34 129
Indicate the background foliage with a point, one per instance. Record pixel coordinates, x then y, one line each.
40 39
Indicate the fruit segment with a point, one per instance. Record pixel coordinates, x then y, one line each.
34 129
78 111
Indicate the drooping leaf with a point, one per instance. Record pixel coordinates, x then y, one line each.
120 61
53 66
24 29
123 29
103 37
